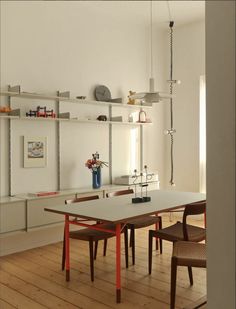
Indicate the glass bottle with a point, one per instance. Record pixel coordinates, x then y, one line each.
142 116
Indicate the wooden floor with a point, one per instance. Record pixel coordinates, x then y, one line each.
33 279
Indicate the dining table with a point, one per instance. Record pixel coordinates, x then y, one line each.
119 210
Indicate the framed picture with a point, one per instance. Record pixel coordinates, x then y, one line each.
35 151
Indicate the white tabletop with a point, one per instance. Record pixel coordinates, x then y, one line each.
121 208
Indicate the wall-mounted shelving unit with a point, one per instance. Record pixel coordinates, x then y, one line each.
15 92
74 120
28 95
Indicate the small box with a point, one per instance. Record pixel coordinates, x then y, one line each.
130 180
117 118
136 200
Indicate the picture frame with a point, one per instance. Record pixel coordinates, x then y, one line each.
35 151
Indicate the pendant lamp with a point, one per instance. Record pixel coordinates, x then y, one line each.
151 96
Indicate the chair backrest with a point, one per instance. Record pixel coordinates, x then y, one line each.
82 199
193 209
121 192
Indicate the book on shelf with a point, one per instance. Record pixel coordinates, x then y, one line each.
43 193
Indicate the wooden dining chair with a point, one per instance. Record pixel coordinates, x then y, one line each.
190 254
138 223
93 236
180 231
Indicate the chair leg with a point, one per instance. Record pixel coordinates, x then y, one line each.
160 245
95 250
157 226
132 238
160 240
105 247
126 247
63 254
150 252
190 274
91 260
173 282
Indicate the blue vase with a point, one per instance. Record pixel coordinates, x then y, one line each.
97 178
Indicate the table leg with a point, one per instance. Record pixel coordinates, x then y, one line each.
67 248
118 256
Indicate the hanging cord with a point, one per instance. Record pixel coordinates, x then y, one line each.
172 131
168 6
151 38
171 73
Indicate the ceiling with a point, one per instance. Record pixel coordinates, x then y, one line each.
138 12
182 12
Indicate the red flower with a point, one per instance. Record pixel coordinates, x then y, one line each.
94 163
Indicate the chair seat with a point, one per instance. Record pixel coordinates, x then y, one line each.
175 232
189 253
94 235
143 222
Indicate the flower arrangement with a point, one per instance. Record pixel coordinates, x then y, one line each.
94 163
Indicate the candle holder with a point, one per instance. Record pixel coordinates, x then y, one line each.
141 198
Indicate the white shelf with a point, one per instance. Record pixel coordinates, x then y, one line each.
29 95
75 120
8 117
42 119
109 122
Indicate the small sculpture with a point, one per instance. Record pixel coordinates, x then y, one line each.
41 112
81 97
131 101
141 199
102 118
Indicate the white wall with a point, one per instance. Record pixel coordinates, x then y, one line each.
188 66
220 79
48 46
60 45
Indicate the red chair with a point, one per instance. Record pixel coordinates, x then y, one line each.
93 236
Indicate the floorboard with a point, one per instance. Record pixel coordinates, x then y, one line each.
33 279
